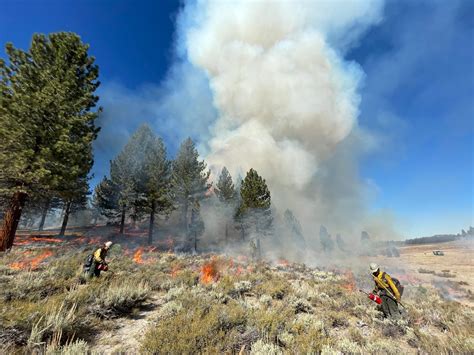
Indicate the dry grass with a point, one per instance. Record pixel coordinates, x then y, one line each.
263 310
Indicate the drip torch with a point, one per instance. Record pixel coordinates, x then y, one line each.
103 267
372 297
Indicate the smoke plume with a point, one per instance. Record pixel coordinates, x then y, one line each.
287 101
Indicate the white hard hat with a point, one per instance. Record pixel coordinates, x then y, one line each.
108 244
373 267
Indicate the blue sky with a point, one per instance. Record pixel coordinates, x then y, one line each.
417 95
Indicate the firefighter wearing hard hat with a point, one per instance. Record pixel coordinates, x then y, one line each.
95 262
389 289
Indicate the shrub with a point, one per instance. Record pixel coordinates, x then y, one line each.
119 298
197 328
277 288
242 287
262 348
271 322
74 348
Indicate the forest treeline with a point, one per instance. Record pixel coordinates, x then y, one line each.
48 113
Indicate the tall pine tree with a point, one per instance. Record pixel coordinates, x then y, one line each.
106 199
295 231
155 177
226 193
46 120
254 211
125 173
189 179
225 187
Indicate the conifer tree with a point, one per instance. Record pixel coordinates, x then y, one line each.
294 227
189 179
325 238
254 211
226 193
74 199
155 177
140 181
196 226
225 187
106 198
46 120
125 173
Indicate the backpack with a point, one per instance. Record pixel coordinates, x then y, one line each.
88 262
398 285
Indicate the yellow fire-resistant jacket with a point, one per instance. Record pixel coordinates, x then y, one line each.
384 281
99 255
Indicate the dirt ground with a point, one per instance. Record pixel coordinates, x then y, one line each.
452 274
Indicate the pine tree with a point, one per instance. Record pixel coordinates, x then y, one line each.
254 211
325 238
155 178
106 198
226 193
294 226
125 174
189 179
225 187
196 226
47 123
75 199
40 205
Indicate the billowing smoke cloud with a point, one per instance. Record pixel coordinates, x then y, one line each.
264 84
287 101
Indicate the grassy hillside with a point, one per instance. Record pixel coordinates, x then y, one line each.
209 303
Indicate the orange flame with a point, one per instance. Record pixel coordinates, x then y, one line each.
209 272
283 262
137 257
33 263
175 270
351 282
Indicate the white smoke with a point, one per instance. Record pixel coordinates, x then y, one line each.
287 100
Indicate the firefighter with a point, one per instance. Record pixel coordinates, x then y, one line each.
97 261
389 290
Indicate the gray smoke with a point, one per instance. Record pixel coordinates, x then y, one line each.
287 101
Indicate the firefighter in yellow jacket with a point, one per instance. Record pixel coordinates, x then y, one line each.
97 261
389 290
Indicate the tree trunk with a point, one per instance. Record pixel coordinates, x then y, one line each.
122 220
43 216
152 223
11 220
67 211
185 217
226 233
195 242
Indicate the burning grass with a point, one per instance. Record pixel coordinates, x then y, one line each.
210 304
